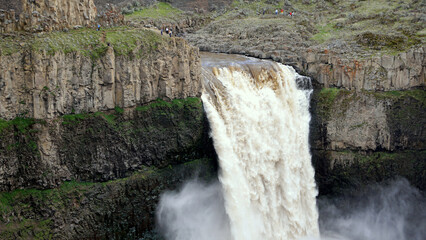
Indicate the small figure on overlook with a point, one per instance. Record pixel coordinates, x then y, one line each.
99 27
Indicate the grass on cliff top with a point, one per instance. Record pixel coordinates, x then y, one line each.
88 41
159 11
325 32
379 26
370 27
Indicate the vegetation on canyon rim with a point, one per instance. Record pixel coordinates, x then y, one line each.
90 42
363 28
159 10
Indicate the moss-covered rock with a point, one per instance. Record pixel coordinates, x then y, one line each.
339 171
101 146
359 137
119 209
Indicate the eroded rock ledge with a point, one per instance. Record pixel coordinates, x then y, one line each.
359 137
45 85
36 16
101 146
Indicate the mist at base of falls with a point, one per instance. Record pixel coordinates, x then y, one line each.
393 210
195 212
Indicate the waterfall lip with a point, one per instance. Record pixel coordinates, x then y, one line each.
250 65
210 60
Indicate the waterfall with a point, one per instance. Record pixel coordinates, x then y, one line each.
260 124
258 113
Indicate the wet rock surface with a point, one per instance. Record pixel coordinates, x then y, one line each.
122 209
101 146
362 137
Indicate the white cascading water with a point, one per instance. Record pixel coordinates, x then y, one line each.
260 126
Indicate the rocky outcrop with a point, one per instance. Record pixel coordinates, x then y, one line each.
101 146
358 137
36 16
372 120
44 86
403 71
187 24
288 41
122 209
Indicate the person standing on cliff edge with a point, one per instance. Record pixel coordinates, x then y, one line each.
99 27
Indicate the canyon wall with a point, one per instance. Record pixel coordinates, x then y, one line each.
37 16
89 138
359 137
44 86
289 41
93 176
382 73
43 95
405 70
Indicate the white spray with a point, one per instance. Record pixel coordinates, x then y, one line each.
260 127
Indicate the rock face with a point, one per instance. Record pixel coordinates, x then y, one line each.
35 16
287 41
101 146
122 209
180 26
103 172
91 135
359 137
403 71
45 86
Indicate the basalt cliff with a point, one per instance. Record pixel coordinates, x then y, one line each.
94 125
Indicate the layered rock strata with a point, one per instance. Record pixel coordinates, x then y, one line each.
122 209
287 41
180 26
44 86
359 137
403 71
36 16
